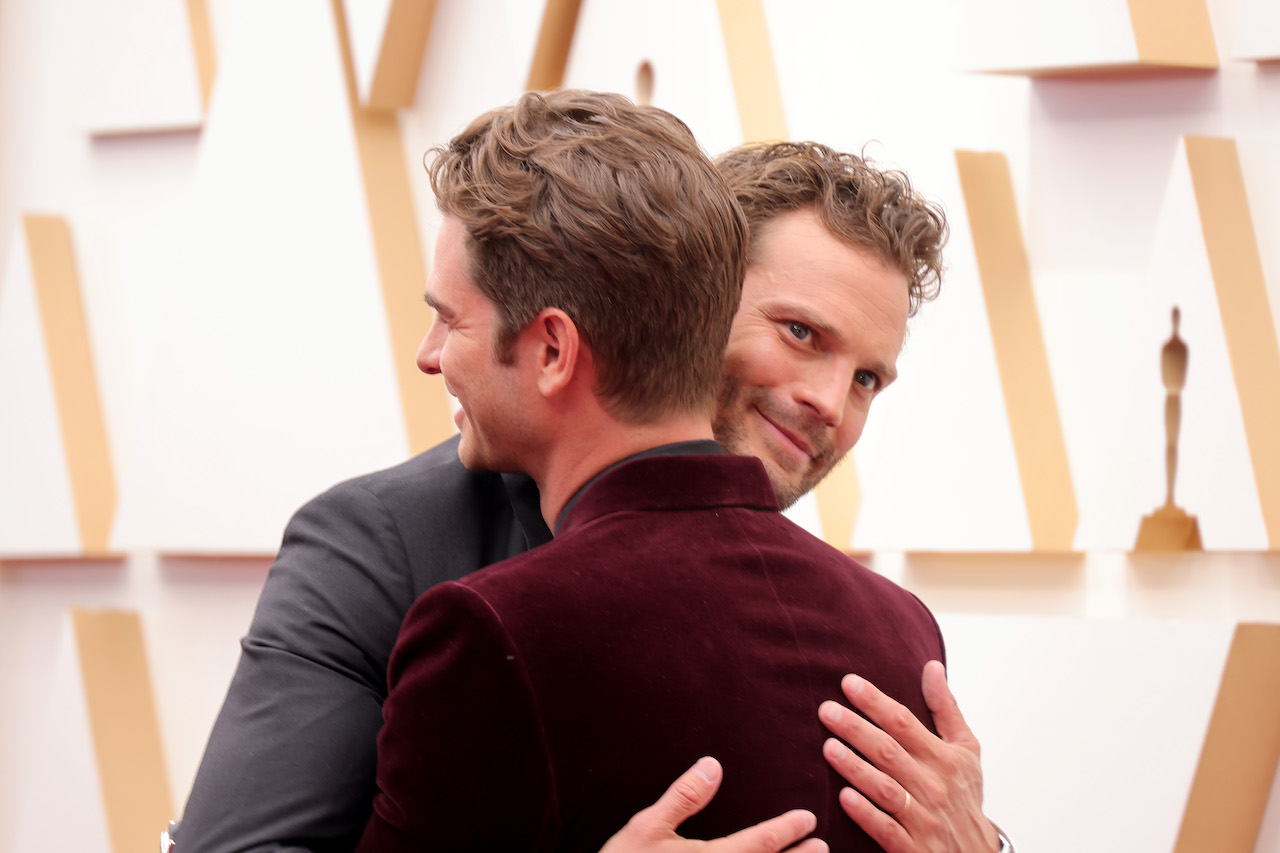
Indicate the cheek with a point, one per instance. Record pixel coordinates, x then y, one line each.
758 361
453 361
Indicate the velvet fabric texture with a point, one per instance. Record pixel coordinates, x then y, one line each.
539 703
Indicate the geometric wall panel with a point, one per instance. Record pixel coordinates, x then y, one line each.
1232 246
277 377
401 268
684 44
140 73
1143 690
1247 318
123 723
1020 350
1204 261
96 754
1257 31
387 40
755 77
1063 37
53 764
37 507
63 460
555 38
205 50
84 434
1239 760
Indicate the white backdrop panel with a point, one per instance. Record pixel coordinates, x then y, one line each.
274 378
140 73
37 513
1090 731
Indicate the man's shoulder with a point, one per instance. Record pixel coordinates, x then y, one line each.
437 471
437 510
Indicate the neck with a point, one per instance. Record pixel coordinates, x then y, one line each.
583 451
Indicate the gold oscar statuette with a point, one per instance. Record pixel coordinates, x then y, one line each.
1169 528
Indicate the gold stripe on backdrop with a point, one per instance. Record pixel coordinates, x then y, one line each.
1021 356
404 41
75 386
839 500
202 42
398 249
751 64
123 726
1236 264
1173 33
555 39
1241 749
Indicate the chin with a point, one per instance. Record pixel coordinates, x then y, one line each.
788 491
469 455
787 486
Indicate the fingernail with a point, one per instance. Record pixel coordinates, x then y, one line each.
852 684
706 768
832 748
830 712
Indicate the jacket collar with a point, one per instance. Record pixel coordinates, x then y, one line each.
672 483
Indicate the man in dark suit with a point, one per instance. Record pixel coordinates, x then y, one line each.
290 762
585 283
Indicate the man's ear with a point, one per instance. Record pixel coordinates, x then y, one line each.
558 350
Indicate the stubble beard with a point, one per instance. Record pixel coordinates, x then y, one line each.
729 427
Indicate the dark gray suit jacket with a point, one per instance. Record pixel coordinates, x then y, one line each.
290 762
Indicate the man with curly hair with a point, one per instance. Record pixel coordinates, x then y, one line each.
841 254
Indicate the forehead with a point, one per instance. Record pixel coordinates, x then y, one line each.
450 283
797 262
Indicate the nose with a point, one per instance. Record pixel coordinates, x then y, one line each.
429 349
824 390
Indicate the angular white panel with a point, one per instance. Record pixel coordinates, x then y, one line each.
998 35
366 24
685 44
140 73
1124 705
936 459
1260 163
1257 31
37 512
477 57
1215 476
273 376
62 797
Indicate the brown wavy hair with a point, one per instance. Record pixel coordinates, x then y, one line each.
863 205
610 211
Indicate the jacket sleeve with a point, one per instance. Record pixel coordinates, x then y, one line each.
290 762
463 760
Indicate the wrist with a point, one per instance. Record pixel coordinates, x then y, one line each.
1006 846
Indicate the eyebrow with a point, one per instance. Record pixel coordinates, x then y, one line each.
887 372
436 305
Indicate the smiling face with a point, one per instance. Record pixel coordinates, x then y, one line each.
459 345
816 338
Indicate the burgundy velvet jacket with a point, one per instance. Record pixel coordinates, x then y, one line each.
539 703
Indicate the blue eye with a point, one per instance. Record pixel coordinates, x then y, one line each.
866 379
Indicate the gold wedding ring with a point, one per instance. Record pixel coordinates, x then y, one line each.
900 812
